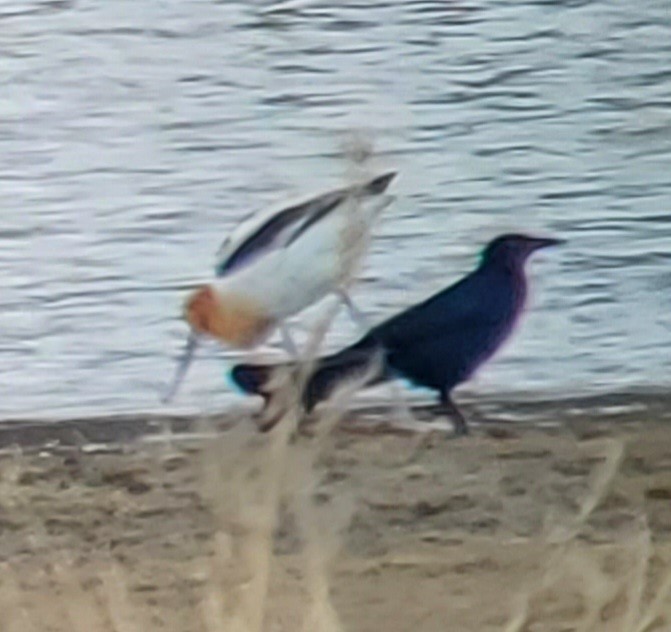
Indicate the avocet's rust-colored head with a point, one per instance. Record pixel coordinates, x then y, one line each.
235 320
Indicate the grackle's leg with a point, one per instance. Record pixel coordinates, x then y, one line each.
450 408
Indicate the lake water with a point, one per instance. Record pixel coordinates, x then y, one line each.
134 135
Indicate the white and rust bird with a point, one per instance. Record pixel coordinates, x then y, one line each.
278 263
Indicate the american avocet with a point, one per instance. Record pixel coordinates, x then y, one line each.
276 264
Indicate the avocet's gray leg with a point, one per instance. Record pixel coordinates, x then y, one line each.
288 341
357 316
182 367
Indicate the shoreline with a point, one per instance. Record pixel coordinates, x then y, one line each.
483 413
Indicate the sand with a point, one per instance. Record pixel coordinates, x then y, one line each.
172 525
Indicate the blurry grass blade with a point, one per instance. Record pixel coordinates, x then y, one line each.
81 607
14 615
656 609
123 615
642 547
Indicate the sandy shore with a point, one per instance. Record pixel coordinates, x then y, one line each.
146 524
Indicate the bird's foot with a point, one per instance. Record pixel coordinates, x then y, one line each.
461 429
265 424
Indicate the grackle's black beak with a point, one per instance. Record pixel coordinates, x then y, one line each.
545 242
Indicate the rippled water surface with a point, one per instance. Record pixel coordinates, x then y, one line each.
134 135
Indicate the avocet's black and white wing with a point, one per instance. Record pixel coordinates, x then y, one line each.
279 229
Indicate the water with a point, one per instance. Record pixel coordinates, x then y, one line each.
134 135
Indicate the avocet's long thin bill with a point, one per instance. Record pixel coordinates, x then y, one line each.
182 367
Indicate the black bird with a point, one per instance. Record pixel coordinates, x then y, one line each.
438 343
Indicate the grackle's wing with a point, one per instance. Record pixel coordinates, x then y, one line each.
266 232
469 302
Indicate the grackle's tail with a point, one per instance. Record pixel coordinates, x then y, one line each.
252 378
329 372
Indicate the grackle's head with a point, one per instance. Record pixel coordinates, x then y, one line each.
516 248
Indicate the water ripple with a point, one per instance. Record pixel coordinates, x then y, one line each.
134 136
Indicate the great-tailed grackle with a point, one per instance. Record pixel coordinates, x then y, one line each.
438 343
278 263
